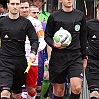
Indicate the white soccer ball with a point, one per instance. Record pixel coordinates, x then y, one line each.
62 37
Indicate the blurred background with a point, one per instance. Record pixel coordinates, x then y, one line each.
87 6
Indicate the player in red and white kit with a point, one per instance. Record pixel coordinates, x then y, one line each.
32 75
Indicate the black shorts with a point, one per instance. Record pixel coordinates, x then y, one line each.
12 73
92 72
63 64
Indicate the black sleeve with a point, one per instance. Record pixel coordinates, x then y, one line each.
31 33
83 37
49 31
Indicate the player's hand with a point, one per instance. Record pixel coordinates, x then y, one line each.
38 50
46 63
32 57
58 46
84 64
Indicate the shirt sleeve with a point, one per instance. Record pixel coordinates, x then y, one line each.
49 31
31 33
40 34
83 37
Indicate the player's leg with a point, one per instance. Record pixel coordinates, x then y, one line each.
16 94
5 92
75 73
58 83
75 83
24 92
58 80
92 76
45 84
19 78
40 73
57 73
6 78
39 81
58 90
31 82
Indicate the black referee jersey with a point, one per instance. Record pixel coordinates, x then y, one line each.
75 23
13 35
93 38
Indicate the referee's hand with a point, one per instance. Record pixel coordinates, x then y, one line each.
58 46
32 57
84 64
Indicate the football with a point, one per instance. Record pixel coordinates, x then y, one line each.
62 37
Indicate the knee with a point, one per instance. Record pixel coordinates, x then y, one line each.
31 89
16 96
94 91
59 92
5 91
94 94
76 89
46 75
38 87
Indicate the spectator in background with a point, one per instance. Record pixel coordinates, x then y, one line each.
31 77
43 16
1 9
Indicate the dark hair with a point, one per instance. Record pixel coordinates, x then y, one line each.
8 1
33 6
21 1
98 4
42 0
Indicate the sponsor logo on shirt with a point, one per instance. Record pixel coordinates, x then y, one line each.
77 27
81 74
94 36
6 36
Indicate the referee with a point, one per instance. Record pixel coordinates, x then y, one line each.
92 70
13 31
71 60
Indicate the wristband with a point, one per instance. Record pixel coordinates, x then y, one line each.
33 52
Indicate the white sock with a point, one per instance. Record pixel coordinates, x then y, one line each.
24 94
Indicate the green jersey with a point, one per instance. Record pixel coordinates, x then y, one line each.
43 16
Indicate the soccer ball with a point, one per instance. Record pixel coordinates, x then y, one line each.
62 37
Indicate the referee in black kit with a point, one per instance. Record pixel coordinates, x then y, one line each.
71 60
13 31
92 70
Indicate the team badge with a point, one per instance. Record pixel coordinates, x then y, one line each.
77 27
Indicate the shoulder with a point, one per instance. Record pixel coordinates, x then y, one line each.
24 19
76 11
3 18
55 14
34 21
91 21
45 13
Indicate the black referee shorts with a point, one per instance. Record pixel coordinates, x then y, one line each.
63 64
92 72
12 73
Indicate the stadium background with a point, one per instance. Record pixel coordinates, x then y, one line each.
87 6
